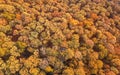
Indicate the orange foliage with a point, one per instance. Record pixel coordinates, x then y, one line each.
18 16
3 21
64 44
81 23
94 16
2 1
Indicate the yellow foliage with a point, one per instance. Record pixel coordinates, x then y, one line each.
2 51
88 22
68 71
92 64
34 71
68 54
21 45
116 62
48 69
74 22
99 64
79 71
8 16
8 8
94 71
42 73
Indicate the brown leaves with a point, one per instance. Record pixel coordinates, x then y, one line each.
89 43
117 50
110 73
110 48
19 27
57 14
